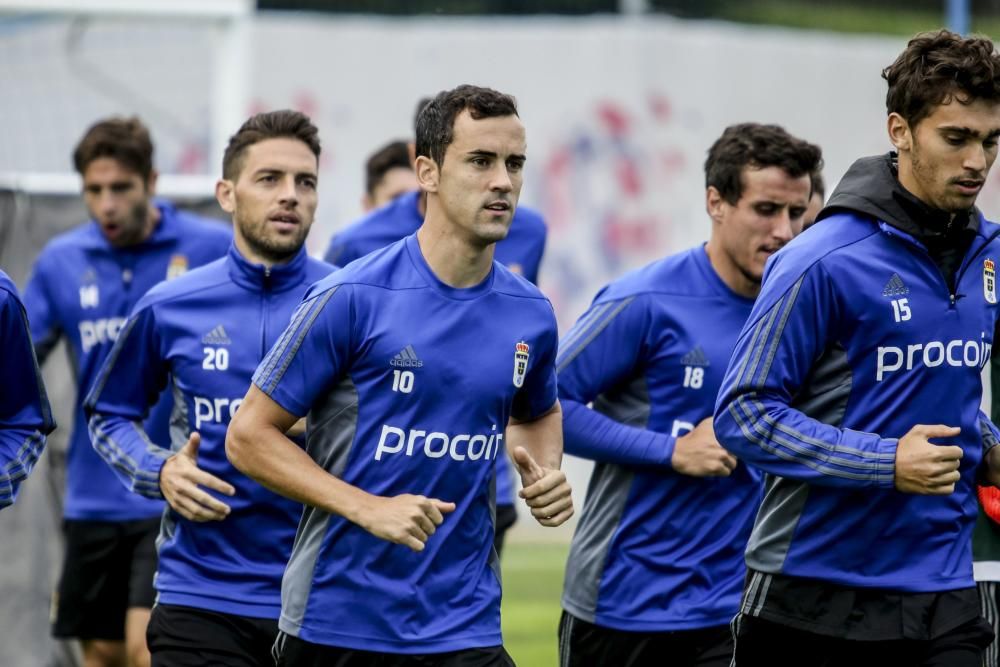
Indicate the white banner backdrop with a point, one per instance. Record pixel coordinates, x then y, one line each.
619 114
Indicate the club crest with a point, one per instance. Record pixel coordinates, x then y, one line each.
520 363
990 281
178 266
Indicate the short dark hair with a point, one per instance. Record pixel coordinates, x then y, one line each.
936 67
125 140
393 155
268 125
756 146
436 121
421 103
818 185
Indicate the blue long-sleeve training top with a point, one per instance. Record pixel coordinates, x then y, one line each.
655 550
83 289
855 338
25 415
202 336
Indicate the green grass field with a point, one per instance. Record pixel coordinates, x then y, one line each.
532 583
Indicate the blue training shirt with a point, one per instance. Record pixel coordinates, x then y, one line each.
854 340
520 252
25 415
654 550
203 335
409 385
83 289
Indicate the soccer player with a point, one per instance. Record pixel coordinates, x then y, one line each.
225 539
815 201
417 365
25 415
388 175
84 284
855 386
656 565
520 251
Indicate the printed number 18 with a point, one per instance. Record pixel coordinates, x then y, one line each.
694 376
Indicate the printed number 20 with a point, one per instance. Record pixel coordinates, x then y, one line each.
216 358
402 381
901 310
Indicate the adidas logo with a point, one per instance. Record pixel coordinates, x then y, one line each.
216 336
407 358
895 287
695 357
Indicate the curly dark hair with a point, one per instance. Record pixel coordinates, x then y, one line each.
125 140
757 146
268 125
937 67
436 120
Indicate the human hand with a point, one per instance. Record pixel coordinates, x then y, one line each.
180 479
546 490
698 453
405 519
925 468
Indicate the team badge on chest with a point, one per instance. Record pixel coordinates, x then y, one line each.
520 363
178 266
989 281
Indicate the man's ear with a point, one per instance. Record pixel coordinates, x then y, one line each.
225 194
151 182
714 203
428 173
900 132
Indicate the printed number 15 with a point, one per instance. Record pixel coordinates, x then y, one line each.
901 310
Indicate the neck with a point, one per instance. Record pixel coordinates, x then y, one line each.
729 272
152 220
253 255
454 259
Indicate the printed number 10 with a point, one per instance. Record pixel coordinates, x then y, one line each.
402 381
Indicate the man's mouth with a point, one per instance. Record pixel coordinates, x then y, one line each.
969 186
498 206
285 221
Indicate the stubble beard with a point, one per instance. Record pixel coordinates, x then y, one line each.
274 248
927 176
135 228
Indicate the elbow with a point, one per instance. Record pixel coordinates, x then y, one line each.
726 431
95 426
237 445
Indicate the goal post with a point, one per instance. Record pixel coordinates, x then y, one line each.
180 65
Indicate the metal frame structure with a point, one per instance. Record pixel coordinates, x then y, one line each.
230 81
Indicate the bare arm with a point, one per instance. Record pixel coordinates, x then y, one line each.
257 445
536 447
